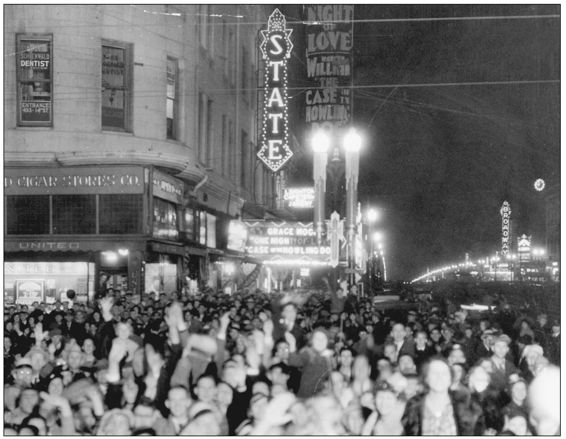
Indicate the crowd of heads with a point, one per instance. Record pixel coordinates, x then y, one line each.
296 363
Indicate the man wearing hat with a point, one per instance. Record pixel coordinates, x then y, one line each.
502 368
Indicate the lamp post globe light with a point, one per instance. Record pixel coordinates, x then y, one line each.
352 145
320 143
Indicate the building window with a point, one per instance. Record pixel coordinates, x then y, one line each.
202 228
120 213
244 157
210 230
172 100
34 80
224 147
206 28
165 219
233 163
209 149
74 214
244 72
225 49
27 215
189 224
205 129
232 58
116 86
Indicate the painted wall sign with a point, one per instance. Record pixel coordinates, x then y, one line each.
276 49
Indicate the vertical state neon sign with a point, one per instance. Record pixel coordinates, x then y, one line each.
276 49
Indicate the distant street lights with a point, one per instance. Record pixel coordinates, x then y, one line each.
352 146
320 143
378 237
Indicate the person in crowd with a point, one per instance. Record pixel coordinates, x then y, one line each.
502 368
386 419
437 412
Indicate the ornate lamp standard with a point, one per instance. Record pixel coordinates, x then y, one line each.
352 146
320 142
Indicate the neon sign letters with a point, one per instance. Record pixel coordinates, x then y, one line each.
276 49
505 214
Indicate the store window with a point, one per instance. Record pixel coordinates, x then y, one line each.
165 219
172 97
27 215
189 224
116 85
202 228
121 213
34 76
29 282
210 230
74 214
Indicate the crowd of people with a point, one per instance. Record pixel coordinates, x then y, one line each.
296 363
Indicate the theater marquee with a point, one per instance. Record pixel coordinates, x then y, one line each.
276 49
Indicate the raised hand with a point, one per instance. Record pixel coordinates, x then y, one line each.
290 338
225 320
268 327
39 333
106 304
118 351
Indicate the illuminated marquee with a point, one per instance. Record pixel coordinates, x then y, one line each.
299 198
287 243
505 214
276 49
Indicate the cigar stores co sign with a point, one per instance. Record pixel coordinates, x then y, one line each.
276 49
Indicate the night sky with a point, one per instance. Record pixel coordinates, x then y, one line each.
440 160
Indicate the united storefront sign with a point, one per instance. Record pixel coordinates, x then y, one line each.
276 49
285 243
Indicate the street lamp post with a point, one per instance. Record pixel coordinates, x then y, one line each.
372 216
320 144
352 145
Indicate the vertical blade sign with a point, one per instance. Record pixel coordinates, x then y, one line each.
276 49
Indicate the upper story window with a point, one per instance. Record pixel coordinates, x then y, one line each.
116 85
205 129
172 97
35 80
206 29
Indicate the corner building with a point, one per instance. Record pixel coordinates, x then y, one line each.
129 146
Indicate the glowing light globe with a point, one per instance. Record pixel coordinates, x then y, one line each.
539 184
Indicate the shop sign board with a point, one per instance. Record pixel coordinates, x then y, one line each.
299 197
74 180
286 243
58 246
29 291
167 187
